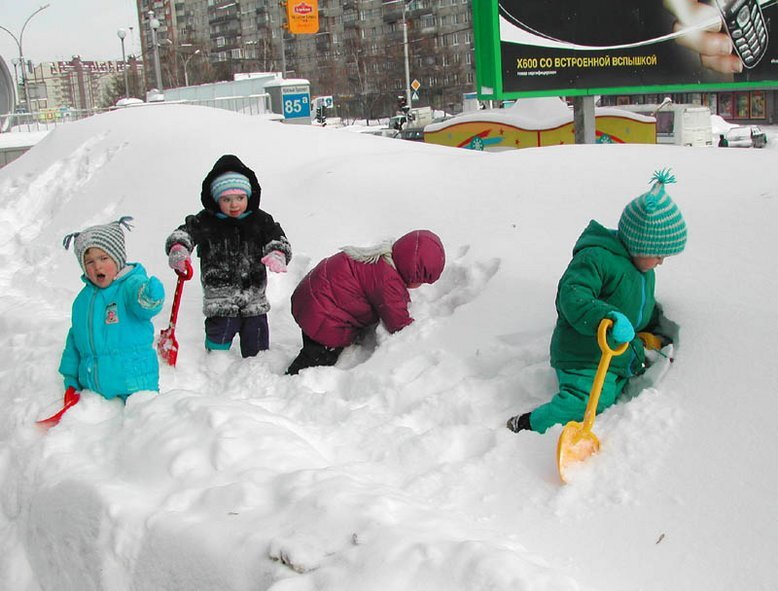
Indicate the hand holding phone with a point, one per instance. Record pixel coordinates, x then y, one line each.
746 26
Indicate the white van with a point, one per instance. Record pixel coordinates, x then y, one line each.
679 124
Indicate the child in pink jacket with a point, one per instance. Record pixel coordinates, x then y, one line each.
357 288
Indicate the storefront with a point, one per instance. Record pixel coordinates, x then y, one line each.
743 107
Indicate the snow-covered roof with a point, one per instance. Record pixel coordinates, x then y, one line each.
532 113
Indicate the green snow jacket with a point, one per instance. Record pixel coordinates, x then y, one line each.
600 279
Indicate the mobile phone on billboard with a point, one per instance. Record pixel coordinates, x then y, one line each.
747 28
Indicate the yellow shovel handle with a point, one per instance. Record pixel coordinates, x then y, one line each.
602 369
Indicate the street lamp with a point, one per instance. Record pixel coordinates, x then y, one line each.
154 25
121 33
186 63
21 54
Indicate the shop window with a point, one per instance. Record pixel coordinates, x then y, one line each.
742 110
726 109
711 101
758 110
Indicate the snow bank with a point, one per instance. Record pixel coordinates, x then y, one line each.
392 470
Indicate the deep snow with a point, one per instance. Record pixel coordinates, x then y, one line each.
393 470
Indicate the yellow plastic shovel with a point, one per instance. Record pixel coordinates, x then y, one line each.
577 441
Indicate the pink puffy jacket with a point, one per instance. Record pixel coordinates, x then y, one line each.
341 296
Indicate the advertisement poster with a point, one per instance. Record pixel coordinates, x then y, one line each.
573 44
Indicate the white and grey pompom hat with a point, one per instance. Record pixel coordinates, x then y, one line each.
107 237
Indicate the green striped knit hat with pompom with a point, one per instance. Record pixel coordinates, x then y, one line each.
652 225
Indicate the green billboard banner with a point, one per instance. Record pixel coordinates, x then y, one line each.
578 47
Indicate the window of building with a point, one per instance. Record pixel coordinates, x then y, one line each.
726 109
758 110
710 100
742 106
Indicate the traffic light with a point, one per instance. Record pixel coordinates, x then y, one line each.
402 103
321 114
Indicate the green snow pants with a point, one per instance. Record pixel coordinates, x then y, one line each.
569 403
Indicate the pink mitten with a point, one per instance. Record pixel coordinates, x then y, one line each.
178 257
275 261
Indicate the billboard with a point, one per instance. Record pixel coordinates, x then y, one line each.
302 16
573 47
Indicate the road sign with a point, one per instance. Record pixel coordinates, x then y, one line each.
415 96
296 102
416 85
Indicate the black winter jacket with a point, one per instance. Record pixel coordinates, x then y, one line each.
230 250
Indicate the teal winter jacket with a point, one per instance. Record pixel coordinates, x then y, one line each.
600 279
109 347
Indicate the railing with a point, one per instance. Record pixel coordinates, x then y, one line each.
254 104
43 120
47 119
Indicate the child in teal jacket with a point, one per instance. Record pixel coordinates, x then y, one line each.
611 276
109 347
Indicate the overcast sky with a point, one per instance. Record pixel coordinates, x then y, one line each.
67 28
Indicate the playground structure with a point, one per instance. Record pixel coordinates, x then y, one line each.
536 122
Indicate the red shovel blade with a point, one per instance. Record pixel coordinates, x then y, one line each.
71 398
168 346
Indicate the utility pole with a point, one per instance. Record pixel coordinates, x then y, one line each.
282 28
408 96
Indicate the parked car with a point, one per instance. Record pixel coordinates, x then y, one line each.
758 137
746 136
414 134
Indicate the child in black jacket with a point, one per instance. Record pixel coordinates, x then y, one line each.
236 242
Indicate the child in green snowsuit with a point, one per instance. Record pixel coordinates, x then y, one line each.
611 275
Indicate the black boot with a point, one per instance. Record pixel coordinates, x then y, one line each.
519 423
313 354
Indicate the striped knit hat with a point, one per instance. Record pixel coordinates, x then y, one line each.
108 237
652 225
230 183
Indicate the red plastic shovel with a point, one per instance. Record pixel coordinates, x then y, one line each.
71 397
167 344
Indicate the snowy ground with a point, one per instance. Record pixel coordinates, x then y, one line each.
393 470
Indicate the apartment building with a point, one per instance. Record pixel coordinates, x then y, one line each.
358 55
81 85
